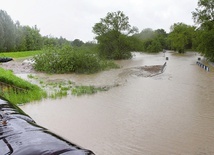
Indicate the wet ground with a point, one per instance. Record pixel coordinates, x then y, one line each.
19 66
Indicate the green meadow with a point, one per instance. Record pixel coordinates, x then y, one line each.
20 54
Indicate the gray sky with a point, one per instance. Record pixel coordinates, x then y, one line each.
74 19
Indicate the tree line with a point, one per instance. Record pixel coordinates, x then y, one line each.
15 37
116 38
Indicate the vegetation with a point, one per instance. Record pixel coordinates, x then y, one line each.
204 18
151 41
64 88
112 36
20 54
77 43
17 90
82 90
181 37
67 59
7 32
50 40
15 37
116 38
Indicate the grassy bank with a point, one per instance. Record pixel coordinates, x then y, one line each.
65 59
17 90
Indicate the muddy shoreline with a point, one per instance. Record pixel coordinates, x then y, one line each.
23 66
19 66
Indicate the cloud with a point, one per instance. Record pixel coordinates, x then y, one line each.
74 19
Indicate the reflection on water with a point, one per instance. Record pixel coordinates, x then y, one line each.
172 113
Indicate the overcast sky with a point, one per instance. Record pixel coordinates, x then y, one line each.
74 19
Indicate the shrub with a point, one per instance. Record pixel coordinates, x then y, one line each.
66 59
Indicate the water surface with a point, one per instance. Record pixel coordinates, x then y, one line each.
172 113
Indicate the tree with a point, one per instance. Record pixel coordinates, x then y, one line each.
77 43
161 36
152 41
146 34
7 32
33 38
14 37
205 12
20 38
112 36
1 36
181 37
155 46
204 18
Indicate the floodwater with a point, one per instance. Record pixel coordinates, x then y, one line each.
168 114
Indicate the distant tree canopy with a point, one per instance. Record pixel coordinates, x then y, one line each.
77 43
7 32
113 36
146 34
152 41
53 41
204 18
15 37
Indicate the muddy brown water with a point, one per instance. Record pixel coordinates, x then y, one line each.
171 113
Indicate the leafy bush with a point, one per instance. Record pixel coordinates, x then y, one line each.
66 59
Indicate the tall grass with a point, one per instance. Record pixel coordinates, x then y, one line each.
61 89
82 90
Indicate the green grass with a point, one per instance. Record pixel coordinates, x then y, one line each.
83 90
30 92
72 60
23 97
63 88
20 54
59 94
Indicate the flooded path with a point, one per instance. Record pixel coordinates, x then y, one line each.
172 113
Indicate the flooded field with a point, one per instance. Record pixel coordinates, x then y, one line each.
170 113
